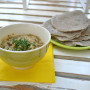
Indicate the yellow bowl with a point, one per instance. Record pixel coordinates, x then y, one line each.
24 59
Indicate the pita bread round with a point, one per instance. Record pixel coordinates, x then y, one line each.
81 43
60 38
54 32
70 21
84 36
51 29
69 43
86 32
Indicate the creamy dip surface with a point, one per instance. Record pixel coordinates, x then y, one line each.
21 42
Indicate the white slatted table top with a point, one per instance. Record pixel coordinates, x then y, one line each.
72 68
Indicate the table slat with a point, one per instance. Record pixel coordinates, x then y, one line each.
71 53
61 83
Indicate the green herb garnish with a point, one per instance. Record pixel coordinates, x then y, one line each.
22 45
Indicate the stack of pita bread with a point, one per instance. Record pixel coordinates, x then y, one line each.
70 28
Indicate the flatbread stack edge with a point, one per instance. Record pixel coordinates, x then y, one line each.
71 28
63 36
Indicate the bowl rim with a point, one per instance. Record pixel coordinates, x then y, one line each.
27 50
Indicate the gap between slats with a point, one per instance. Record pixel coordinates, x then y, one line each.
42 10
39 8
5 23
61 84
22 18
48 4
33 9
39 5
27 14
66 1
21 21
50 1
73 75
72 69
74 58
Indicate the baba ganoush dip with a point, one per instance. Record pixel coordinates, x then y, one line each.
21 42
